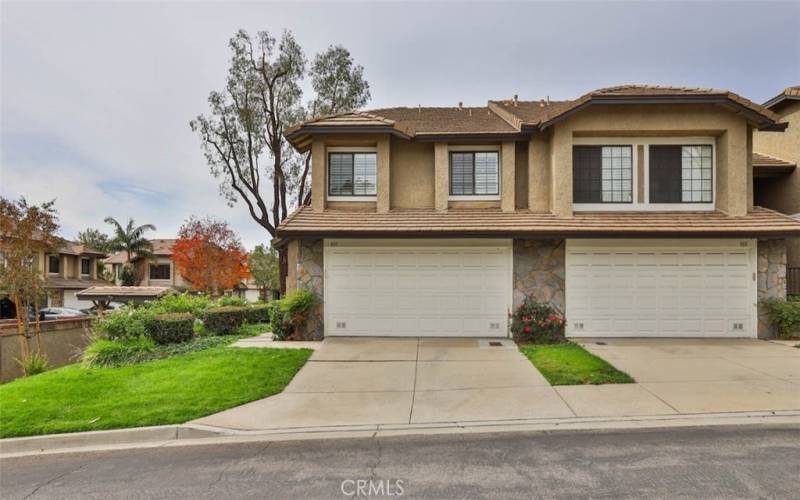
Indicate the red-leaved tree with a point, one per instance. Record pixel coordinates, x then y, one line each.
209 255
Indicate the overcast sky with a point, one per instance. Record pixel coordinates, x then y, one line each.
96 98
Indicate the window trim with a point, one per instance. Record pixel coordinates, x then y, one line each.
158 264
84 259
644 204
351 150
473 150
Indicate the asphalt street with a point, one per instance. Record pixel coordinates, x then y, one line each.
733 462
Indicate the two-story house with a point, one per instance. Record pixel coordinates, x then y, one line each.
158 271
70 268
777 180
629 209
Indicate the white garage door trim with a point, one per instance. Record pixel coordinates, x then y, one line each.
458 296
638 280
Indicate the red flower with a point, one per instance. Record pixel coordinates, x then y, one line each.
527 329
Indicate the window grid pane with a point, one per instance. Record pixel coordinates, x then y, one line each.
486 179
602 174
461 174
365 174
696 174
341 174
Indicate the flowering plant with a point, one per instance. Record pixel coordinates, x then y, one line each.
534 322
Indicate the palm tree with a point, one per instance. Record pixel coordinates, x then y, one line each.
130 239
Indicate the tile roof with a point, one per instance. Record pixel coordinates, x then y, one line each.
71 248
103 291
71 283
769 166
305 222
511 116
789 93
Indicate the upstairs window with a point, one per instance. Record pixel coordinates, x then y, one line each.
475 173
86 267
352 174
602 174
681 174
160 271
53 264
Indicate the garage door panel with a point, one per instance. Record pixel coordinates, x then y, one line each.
426 291
685 289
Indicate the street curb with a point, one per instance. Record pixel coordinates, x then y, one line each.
196 434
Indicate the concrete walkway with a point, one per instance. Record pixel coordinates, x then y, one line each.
356 381
429 381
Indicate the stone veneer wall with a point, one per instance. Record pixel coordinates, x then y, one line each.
539 271
771 279
310 276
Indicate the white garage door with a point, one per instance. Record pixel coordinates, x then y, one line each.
661 288
454 288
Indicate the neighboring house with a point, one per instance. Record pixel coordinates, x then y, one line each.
67 270
777 180
629 209
159 271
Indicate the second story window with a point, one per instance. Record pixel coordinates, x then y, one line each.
602 174
681 174
86 267
53 264
160 271
352 174
475 173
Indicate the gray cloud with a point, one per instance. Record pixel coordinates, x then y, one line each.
96 98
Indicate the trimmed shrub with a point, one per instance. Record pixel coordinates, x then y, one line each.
232 300
180 303
537 323
127 323
171 328
224 320
785 317
259 313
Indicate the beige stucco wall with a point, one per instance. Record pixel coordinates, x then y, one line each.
782 193
319 156
508 158
784 145
291 269
412 174
521 176
675 120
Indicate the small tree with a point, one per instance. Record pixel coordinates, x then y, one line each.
264 269
130 239
209 255
95 239
27 232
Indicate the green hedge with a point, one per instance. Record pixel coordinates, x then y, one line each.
785 317
224 320
259 313
171 328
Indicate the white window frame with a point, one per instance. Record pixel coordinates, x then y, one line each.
351 149
645 205
476 148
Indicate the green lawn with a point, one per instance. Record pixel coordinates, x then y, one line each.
166 391
571 364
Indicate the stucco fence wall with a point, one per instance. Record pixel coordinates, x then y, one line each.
63 341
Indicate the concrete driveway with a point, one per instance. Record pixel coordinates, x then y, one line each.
356 381
709 375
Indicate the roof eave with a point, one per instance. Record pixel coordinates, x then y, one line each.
779 99
764 122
